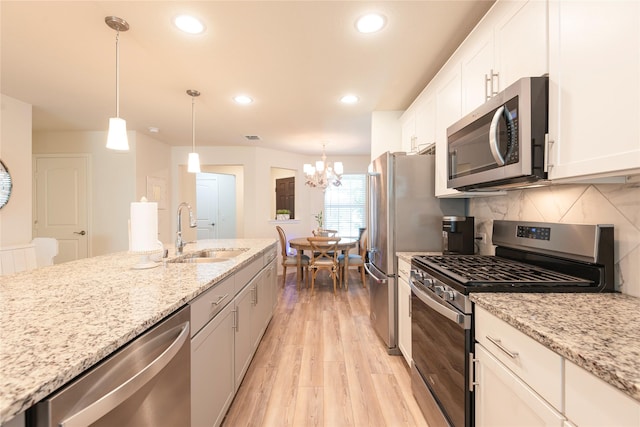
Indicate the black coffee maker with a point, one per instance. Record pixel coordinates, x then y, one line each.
458 235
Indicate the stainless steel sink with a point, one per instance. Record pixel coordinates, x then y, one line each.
211 255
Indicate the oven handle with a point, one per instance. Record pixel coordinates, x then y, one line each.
432 303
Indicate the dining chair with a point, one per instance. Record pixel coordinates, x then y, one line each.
324 233
289 260
355 260
325 252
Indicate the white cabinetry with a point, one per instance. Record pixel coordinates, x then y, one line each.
228 322
404 310
509 43
519 381
448 111
212 380
503 399
594 89
592 402
418 124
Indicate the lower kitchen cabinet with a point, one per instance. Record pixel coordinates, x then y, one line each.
212 376
590 401
404 310
224 340
503 399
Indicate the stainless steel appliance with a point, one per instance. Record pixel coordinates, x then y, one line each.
458 235
147 383
530 257
403 215
502 143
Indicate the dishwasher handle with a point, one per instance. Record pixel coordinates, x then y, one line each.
122 392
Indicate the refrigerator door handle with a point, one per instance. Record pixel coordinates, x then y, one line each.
375 273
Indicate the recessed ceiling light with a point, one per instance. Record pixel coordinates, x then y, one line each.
349 99
370 23
189 24
243 99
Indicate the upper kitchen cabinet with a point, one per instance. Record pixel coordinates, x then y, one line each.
594 89
418 123
509 43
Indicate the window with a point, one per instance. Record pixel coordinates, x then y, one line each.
344 206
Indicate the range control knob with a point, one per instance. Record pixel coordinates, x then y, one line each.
439 290
449 295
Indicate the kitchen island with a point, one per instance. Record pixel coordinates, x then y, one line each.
58 321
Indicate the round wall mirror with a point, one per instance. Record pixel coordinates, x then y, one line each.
5 185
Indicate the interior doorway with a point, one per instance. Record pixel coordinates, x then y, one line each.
286 195
61 203
216 206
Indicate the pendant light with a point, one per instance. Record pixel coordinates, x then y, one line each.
117 136
193 164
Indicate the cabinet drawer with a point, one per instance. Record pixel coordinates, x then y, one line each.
404 269
535 364
247 273
592 402
207 305
269 255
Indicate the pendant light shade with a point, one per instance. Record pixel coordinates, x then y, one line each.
117 136
193 165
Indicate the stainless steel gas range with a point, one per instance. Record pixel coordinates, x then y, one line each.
529 257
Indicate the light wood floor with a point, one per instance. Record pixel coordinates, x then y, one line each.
321 363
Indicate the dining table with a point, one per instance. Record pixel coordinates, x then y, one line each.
301 244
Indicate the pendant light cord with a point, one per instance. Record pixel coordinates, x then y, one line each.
117 74
193 123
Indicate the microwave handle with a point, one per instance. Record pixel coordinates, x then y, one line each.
493 137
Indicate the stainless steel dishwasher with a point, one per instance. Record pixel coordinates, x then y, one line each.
146 383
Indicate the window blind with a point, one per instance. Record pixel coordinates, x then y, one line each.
344 206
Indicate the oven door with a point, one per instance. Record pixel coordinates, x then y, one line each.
441 347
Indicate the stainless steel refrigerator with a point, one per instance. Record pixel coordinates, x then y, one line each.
403 216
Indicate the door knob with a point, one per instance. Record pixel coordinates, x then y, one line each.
213 223
82 233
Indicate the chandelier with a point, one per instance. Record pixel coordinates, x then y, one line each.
323 173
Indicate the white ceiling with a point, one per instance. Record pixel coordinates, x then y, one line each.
295 58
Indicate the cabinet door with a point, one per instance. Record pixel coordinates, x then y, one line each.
243 336
522 43
425 121
592 402
404 319
502 399
212 376
262 305
477 67
594 88
408 130
448 110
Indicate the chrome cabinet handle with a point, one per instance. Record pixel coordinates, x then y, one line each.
220 299
472 372
498 343
122 392
234 325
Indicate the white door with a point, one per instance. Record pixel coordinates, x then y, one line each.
216 206
61 204
207 205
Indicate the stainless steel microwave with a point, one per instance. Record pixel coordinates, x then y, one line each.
501 144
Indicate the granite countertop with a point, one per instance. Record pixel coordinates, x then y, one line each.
57 321
406 256
598 332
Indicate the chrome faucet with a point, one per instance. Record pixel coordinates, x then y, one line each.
180 244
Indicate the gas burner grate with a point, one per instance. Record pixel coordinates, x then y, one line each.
477 270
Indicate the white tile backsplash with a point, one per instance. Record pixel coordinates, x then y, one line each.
615 204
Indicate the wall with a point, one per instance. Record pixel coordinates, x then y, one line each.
591 204
15 152
118 178
153 160
386 132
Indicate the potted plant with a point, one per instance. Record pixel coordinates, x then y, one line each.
282 214
320 231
